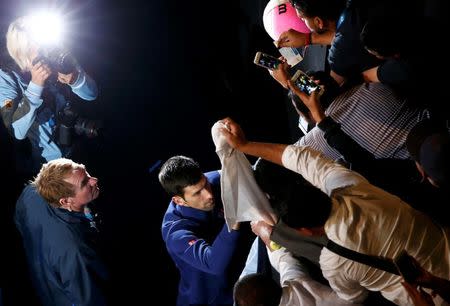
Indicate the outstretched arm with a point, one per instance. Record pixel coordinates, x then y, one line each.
236 138
295 39
312 165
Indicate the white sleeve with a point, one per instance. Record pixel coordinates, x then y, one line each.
339 274
298 287
288 267
319 170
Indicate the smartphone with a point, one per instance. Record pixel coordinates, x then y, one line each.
305 83
266 60
407 267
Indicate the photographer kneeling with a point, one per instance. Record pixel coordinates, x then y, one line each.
33 101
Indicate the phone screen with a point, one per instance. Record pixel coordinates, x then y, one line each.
304 83
266 61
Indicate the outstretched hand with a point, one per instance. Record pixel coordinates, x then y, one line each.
418 296
233 133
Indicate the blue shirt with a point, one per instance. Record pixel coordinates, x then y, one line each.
203 250
347 56
60 249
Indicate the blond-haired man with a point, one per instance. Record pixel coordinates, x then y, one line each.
59 235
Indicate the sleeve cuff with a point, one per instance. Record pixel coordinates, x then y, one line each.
35 90
81 79
327 124
287 155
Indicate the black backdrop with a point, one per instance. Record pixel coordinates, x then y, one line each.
166 70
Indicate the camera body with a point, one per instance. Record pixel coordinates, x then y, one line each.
305 83
58 59
69 124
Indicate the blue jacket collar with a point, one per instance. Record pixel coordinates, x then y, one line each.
69 216
193 213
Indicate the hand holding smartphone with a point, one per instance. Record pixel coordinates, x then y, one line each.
305 83
267 61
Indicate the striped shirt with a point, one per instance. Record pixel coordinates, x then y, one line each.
374 117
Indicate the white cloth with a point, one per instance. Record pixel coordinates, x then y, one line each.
369 220
299 288
242 198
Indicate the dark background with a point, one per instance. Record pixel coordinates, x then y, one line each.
166 71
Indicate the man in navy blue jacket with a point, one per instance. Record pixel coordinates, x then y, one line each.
209 257
59 235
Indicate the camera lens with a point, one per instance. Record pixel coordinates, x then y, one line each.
61 60
66 63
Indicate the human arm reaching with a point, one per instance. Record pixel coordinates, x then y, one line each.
295 39
425 279
312 165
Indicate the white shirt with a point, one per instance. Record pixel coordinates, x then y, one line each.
298 288
369 220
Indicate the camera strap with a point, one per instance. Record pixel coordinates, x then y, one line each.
377 262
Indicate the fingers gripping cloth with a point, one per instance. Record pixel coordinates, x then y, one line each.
242 198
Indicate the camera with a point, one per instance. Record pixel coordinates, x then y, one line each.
69 123
57 59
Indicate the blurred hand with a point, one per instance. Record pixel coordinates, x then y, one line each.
40 72
291 38
418 296
68 78
312 102
281 74
262 230
233 133
236 226
438 285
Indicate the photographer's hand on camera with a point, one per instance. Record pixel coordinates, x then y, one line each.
68 79
40 72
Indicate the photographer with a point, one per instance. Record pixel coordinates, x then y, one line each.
33 97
